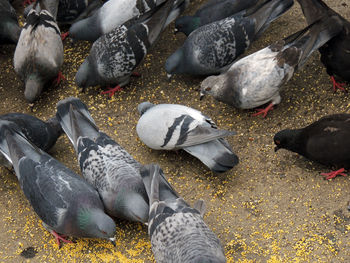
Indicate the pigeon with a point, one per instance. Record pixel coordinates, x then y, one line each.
113 14
324 141
9 28
210 12
104 163
39 52
64 201
174 126
335 54
212 48
115 55
69 12
256 79
42 134
177 231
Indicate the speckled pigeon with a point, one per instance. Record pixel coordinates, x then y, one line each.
177 231
211 11
212 48
325 141
256 79
39 52
9 29
174 126
112 14
104 163
335 54
115 55
64 201
42 134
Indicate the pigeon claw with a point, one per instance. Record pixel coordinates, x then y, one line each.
58 79
333 174
64 35
136 74
59 238
337 85
263 112
28 2
111 91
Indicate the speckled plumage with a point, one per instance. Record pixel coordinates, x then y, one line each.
39 53
256 79
104 163
173 126
210 12
212 48
177 231
115 55
60 197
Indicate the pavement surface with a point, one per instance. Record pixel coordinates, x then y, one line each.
272 207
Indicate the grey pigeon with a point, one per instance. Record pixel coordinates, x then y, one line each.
104 163
335 54
9 28
211 11
256 79
177 231
64 201
69 11
42 134
173 126
39 52
212 48
115 55
113 14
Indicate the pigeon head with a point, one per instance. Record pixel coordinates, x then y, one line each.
95 223
9 30
33 87
144 106
55 125
137 207
85 76
173 64
86 29
287 139
187 24
209 86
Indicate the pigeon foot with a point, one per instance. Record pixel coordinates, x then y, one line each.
27 2
59 238
136 74
263 112
333 174
59 79
337 85
111 91
64 35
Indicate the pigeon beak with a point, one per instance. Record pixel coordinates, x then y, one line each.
277 148
176 31
169 76
201 96
112 239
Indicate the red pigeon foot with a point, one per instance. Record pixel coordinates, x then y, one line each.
333 174
59 78
337 85
28 2
59 238
111 91
263 112
64 35
136 74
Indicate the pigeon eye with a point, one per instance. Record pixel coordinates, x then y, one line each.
207 89
103 232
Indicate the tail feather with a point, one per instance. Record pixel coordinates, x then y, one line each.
214 154
76 120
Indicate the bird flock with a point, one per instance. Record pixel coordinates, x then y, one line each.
113 184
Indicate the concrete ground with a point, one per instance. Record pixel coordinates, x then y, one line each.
272 207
